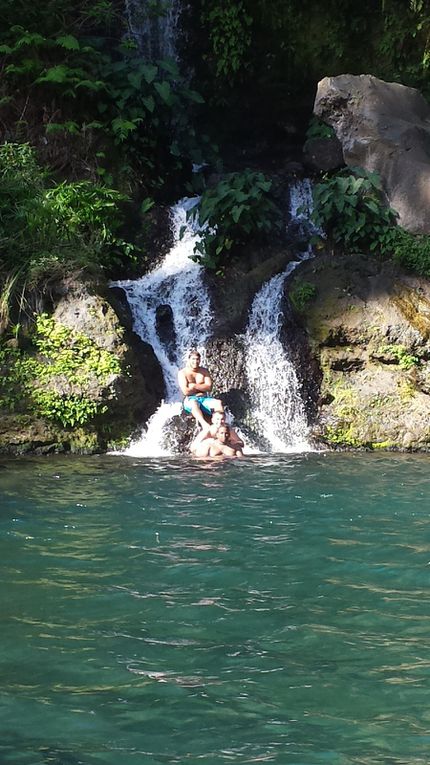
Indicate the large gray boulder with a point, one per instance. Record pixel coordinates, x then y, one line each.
383 127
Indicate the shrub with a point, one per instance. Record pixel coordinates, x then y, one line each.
350 209
412 251
47 230
318 129
125 114
235 211
301 294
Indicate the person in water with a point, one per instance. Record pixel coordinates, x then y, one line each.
195 383
210 431
220 446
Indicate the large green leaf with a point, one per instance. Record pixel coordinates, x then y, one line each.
164 91
69 42
149 72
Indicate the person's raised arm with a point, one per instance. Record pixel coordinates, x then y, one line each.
202 436
206 385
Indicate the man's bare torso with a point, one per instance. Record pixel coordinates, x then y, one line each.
196 376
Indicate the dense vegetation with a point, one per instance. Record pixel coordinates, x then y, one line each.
109 124
96 131
260 56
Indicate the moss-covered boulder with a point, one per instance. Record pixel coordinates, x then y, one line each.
75 381
368 326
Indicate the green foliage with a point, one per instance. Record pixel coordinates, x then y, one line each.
235 211
301 294
412 251
229 36
350 209
404 359
47 231
289 45
341 435
100 91
318 129
62 360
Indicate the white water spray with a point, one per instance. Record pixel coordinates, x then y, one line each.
277 411
154 27
177 284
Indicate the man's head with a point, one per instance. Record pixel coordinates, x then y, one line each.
218 419
194 359
223 434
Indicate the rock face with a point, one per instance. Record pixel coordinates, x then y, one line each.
323 154
383 127
123 397
137 393
369 330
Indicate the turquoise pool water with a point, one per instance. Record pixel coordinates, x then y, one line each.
275 609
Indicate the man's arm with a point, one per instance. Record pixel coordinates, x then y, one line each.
204 448
187 388
235 440
195 444
206 385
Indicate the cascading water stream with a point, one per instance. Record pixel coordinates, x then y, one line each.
176 285
277 414
154 28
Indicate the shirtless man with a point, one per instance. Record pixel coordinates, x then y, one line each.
210 431
219 446
195 383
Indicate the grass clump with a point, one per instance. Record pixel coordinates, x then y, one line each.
301 294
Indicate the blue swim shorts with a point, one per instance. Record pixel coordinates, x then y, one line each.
204 403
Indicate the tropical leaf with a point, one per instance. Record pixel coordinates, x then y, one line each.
69 42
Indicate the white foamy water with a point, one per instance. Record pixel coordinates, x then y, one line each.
277 414
176 285
155 33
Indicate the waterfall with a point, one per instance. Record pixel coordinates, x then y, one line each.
154 27
176 288
171 311
277 415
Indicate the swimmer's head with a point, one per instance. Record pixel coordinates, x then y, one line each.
218 419
223 434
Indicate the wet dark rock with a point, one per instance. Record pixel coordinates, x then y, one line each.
232 294
181 430
296 342
117 297
166 330
226 363
323 154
